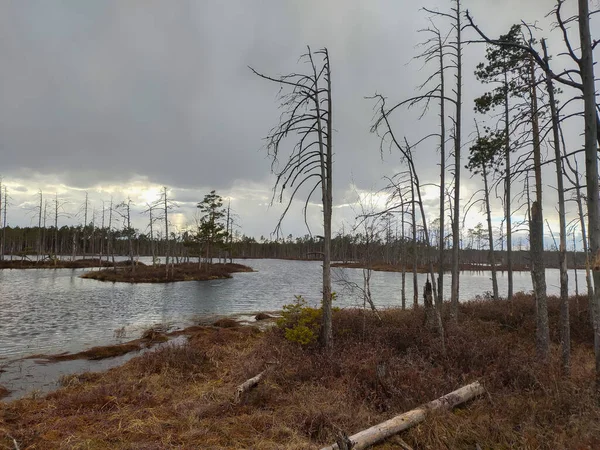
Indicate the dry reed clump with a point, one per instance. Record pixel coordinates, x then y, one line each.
182 396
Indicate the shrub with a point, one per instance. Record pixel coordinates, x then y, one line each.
300 322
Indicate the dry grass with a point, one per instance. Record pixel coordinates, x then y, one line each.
181 397
149 338
157 274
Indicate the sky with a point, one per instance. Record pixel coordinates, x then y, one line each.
118 99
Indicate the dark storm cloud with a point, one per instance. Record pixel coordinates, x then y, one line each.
105 92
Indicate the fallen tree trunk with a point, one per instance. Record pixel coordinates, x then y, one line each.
377 433
247 385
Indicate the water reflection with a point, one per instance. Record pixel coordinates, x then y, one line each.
53 310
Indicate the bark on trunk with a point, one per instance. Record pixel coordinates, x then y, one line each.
430 314
586 66
538 272
507 201
457 164
325 144
166 212
539 281
490 235
384 430
403 288
565 335
414 240
440 286
247 385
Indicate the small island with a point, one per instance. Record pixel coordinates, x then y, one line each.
141 273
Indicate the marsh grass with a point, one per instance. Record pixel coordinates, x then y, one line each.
181 396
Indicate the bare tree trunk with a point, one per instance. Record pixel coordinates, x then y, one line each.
490 234
564 277
584 239
586 64
403 237
326 335
84 234
39 246
457 164
442 176
538 271
507 200
4 222
414 239
430 314
129 235
55 229
379 432
110 249
166 212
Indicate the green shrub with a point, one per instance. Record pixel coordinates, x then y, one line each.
300 322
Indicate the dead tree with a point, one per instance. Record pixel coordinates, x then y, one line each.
454 48
562 251
307 103
149 210
58 212
124 210
397 188
84 210
585 69
165 205
384 130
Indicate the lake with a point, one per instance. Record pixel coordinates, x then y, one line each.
53 310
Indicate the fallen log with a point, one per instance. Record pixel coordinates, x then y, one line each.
384 430
247 385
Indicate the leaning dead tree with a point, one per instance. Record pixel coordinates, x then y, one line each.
307 116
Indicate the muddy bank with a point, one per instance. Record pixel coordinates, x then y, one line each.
39 374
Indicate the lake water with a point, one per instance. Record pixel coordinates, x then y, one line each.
53 310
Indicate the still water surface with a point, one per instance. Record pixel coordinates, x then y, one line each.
53 310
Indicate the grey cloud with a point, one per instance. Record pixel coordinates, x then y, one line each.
102 93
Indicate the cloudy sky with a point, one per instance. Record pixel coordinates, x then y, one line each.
118 98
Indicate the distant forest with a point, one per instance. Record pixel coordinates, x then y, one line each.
36 243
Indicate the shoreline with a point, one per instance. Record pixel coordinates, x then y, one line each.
385 267
40 368
183 395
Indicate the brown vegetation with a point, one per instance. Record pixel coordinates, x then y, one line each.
3 392
149 338
157 274
182 396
